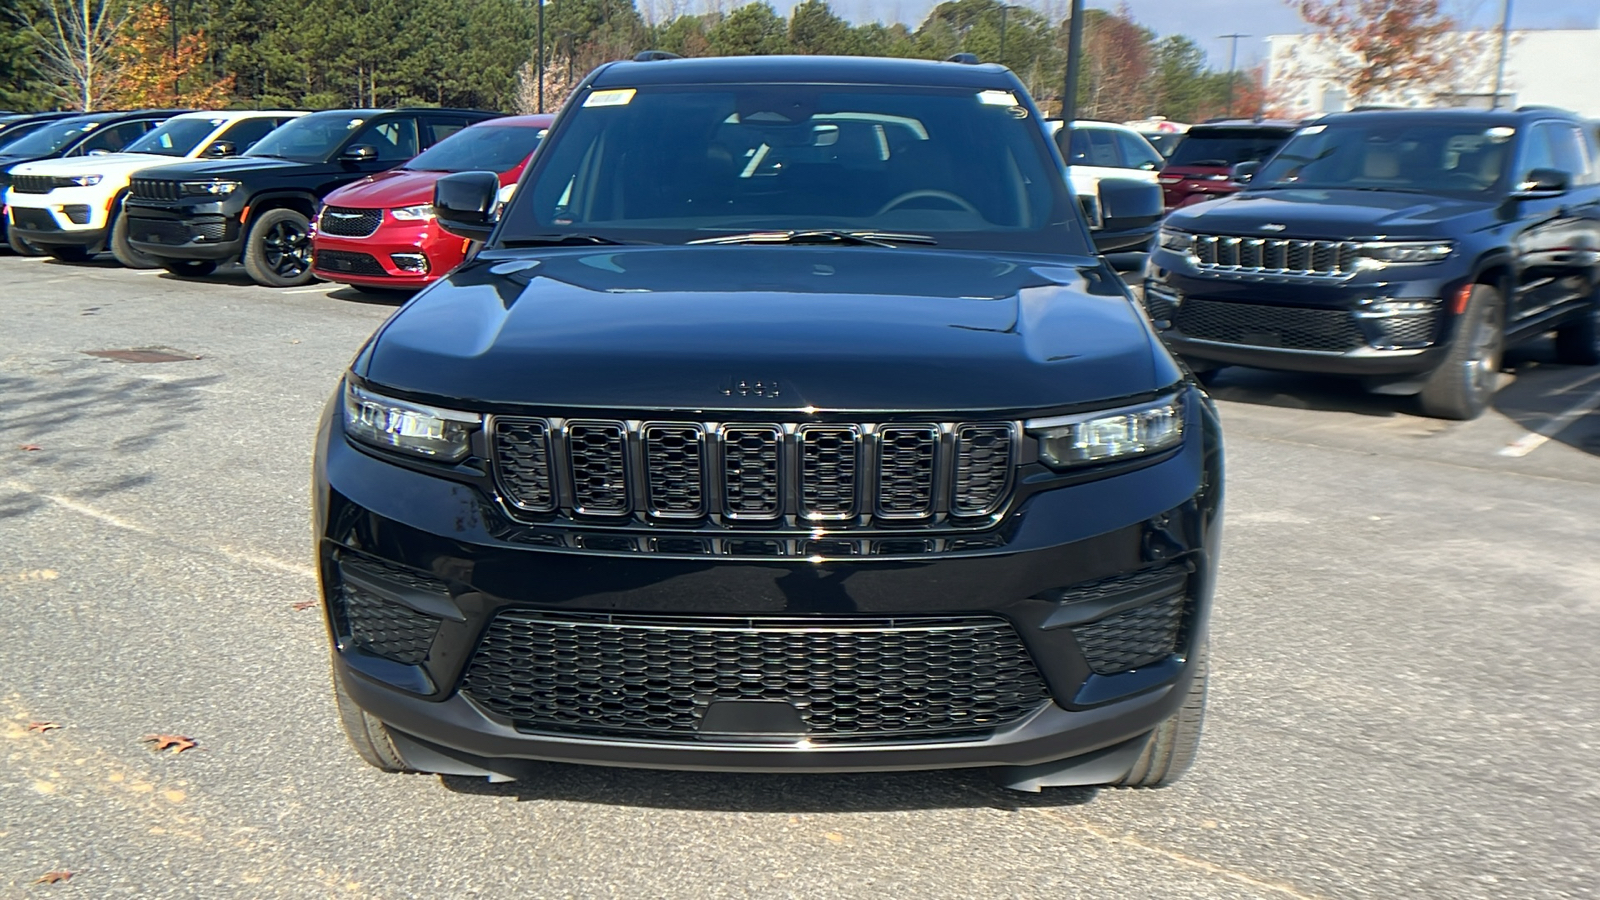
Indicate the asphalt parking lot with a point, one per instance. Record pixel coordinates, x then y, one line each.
1404 701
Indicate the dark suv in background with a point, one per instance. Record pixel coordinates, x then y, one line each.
257 208
1201 167
1409 247
788 421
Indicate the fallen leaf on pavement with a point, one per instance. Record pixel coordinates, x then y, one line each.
177 742
53 877
30 447
303 604
834 836
42 727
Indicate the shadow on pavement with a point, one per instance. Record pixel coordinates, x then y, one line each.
373 297
1302 390
1560 403
739 792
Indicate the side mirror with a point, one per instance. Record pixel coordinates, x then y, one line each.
465 204
1243 172
1542 183
1130 213
359 153
221 149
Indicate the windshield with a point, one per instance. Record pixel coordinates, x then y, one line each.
177 137
51 137
967 168
1224 147
308 138
1164 141
1435 158
494 148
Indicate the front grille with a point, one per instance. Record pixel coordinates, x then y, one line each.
351 263
175 232
850 680
33 219
155 189
381 626
1289 327
345 222
772 474
38 184
1275 256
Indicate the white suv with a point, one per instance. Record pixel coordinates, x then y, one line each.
1101 151
71 208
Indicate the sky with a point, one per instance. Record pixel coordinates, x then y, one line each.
1203 20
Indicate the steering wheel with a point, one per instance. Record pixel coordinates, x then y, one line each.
960 202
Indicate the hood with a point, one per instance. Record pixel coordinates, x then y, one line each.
221 168
851 328
91 165
1327 214
396 187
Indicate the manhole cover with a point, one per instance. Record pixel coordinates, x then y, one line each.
144 355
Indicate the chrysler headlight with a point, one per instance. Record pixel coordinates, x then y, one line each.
1106 436
412 428
1176 241
212 188
1377 254
413 213
85 180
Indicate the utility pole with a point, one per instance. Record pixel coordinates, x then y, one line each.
1505 41
540 66
1233 58
1004 8
1069 93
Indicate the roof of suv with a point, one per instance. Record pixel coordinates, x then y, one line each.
1231 124
843 70
1486 116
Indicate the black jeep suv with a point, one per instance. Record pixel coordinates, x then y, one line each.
257 208
1406 246
764 435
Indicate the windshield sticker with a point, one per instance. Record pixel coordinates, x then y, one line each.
997 98
1500 133
1314 129
617 97
354 124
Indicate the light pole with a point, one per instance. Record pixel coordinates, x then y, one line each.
1233 58
1069 91
1505 41
540 66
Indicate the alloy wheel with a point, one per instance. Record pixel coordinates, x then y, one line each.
287 249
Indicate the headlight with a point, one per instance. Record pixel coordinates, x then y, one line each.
409 427
1077 440
1176 241
413 213
1377 254
85 180
210 188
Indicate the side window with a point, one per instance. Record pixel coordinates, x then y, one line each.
436 130
1137 152
244 134
1571 155
1537 153
112 138
1094 147
395 139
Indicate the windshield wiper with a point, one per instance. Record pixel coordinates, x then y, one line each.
557 240
820 236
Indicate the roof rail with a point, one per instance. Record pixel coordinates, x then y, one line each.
1541 108
966 59
654 56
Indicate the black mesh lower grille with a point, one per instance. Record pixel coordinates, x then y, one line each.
173 232
1406 330
347 262
1290 327
850 680
1137 637
385 628
34 219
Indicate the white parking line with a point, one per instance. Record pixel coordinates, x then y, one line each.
309 290
1540 436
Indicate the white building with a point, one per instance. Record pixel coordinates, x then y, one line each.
1543 68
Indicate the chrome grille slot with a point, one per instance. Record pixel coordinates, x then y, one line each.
155 189
750 471
829 459
597 457
906 470
983 468
1275 256
522 463
674 461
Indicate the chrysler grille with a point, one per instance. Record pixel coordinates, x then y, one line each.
356 223
759 473
1275 256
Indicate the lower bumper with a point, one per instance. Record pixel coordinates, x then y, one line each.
1365 361
78 237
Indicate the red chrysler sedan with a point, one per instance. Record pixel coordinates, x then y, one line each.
379 233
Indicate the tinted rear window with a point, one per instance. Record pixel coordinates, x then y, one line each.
1227 146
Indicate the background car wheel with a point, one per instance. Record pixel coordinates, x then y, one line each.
71 254
188 268
278 251
20 245
124 251
1172 747
369 736
1578 343
1464 384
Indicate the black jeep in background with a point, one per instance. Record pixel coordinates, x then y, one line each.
1410 247
257 208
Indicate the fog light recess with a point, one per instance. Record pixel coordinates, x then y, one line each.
414 263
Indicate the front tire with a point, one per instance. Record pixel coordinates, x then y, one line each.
367 735
1172 747
124 251
1464 384
277 252
1578 342
188 268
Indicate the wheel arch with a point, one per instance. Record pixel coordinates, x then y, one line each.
302 202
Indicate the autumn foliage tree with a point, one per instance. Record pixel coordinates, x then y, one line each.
1382 48
150 71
